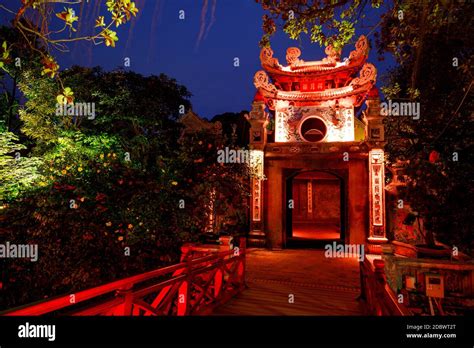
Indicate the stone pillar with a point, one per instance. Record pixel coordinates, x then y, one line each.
375 130
258 120
275 208
377 233
375 139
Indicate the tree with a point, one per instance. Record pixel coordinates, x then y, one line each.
435 56
36 17
327 22
211 188
10 71
141 110
235 127
120 180
35 21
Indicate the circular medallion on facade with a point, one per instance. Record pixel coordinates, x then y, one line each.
313 129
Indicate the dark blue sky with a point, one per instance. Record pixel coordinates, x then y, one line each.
159 42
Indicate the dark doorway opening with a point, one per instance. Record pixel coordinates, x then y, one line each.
315 210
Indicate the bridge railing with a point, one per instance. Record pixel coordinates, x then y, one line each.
194 286
379 298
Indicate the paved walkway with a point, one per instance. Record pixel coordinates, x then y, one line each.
320 286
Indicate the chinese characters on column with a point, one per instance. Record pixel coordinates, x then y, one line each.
310 197
376 167
256 163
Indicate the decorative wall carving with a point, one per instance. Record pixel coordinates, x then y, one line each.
339 122
295 149
310 149
257 112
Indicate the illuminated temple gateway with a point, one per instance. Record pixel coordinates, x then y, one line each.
323 159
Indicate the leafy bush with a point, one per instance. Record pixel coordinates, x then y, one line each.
117 195
83 224
17 173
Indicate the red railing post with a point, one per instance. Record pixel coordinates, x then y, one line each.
127 295
183 292
183 298
218 277
242 251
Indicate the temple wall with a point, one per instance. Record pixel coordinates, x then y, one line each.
325 201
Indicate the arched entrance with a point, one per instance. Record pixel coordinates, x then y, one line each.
315 213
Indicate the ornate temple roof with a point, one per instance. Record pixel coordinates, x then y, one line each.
359 86
329 65
316 81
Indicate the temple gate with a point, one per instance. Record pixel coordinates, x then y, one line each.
323 159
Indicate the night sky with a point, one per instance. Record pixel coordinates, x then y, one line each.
157 41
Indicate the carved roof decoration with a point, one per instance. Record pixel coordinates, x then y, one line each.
357 86
331 64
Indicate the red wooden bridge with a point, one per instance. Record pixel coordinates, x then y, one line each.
236 282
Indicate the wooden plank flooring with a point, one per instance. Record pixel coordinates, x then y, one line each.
320 286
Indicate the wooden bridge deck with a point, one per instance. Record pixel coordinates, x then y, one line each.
320 285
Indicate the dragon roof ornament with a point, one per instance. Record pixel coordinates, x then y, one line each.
330 63
266 58
368 74
361 51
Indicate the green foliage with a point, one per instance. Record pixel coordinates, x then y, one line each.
86 218
329 23
82 226
235 127
91 203
75 152
39 112
20 57
17 173
294 28
145 125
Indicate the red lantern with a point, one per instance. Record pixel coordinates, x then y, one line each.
434 156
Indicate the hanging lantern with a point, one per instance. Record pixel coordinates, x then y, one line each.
434 156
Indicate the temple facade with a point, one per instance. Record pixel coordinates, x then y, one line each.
320 151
